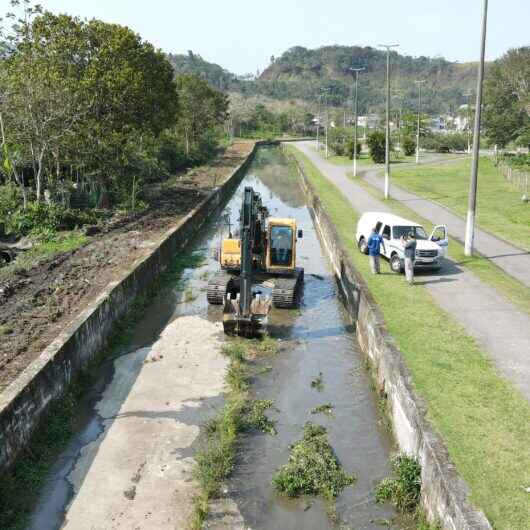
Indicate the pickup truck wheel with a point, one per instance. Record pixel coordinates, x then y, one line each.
362 245
395 264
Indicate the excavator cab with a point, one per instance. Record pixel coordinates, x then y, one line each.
282 237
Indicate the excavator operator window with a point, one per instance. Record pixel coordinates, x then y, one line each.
281 245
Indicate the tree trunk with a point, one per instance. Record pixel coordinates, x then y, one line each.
38 176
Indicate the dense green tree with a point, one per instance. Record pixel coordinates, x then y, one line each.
507 99
409 145
377 146
201 109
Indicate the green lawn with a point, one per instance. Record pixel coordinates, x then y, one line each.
482 418
499 208
484 268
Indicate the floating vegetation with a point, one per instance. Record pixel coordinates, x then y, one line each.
318 382
313 468
326 408
403 489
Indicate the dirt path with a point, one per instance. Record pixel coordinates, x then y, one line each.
36 304
498 325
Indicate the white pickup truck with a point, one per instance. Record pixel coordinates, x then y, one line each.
391 227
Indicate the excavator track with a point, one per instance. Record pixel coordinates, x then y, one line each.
286 291
217 288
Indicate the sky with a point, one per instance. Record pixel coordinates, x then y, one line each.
242 35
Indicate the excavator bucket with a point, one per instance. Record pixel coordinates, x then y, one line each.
250 326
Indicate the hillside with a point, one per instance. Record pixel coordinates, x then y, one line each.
301 73
193 63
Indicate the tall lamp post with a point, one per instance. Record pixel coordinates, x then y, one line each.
387 142
472 204
318 122
326 102
467 95
356 70
419 83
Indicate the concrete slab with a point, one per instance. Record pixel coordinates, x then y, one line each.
138 473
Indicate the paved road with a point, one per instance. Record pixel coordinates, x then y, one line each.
511 259
502 329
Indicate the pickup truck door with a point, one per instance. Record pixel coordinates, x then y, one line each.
440 236
386 235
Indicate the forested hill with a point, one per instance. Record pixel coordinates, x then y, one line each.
193 63
300 73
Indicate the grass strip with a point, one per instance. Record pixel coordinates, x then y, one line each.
484 268
215 461
484 421
500 209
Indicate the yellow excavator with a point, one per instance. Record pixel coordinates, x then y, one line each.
264 253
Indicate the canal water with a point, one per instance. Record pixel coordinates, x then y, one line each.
315 339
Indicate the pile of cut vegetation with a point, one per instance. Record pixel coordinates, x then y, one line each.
313 468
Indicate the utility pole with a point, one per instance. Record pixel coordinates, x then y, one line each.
326 102
356 70
387 144
472 205
467 95
419 83
318 122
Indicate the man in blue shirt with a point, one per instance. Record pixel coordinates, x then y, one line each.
374 243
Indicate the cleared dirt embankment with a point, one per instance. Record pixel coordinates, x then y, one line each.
36 304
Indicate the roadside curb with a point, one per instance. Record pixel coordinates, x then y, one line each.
26 400
444 493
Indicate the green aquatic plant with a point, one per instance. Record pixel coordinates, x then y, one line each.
313 468
403 489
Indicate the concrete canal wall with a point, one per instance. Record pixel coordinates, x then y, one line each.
444 493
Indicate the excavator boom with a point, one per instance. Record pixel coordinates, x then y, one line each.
245 313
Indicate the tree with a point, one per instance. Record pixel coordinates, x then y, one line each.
201 109
409 146
377 146
507 98
83 94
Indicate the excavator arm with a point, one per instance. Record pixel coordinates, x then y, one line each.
245 313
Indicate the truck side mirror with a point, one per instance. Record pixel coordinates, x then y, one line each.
300 234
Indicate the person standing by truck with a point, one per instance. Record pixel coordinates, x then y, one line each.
374 250
409 244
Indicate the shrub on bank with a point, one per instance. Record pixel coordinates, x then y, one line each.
377 146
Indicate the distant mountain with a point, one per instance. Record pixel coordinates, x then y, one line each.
301 73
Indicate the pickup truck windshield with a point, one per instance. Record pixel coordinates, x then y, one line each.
419 232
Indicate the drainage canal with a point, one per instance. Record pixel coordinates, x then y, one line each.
315 339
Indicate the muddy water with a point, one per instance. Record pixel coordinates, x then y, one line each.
316 338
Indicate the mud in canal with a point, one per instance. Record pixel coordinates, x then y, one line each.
315 339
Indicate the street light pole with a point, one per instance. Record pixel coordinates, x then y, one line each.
387 139
472 205
468 119
419 83
318 122
356 70
327 119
